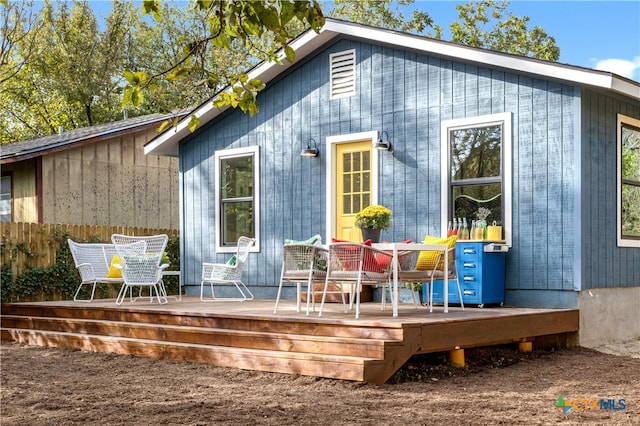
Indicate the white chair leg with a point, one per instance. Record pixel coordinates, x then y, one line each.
75 296
309 296
275 309
358 290
324 295
431 297
121 294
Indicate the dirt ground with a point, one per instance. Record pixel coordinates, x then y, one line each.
499 386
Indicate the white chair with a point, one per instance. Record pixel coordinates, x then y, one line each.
356 264
140 258
229 273
92 261
302 263
430 275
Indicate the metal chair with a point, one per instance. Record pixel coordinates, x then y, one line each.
356 264
140 258
92 261
229 273
430 275
302 263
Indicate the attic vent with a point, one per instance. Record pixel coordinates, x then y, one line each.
343 74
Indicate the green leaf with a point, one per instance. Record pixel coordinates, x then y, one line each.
162 126
289 53
194 122
128 75
255 85
137 97
126 96
222 41
177 73
203 4
135 79
153 7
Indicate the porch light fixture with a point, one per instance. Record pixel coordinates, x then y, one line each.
383 144
310 152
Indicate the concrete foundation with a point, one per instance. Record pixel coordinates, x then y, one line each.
609 315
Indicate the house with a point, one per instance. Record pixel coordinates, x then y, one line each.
96 175
538 143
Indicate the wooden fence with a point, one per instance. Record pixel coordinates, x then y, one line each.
35 244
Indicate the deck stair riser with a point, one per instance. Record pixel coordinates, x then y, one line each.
204 336
329 366
340 351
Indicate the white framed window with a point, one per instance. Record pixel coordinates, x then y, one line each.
342 74
476 170
5 198
237 197
628 169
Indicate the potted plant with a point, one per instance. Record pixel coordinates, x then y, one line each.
371 220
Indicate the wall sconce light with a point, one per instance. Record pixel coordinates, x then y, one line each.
383 144
310 152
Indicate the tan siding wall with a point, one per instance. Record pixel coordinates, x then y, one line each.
24 190
111 183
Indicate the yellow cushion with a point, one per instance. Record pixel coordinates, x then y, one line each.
113 271
428 258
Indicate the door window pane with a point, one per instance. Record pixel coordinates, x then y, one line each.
356 180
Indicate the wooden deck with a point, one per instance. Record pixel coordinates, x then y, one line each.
248 335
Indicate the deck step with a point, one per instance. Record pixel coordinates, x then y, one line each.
348 350
329 345
308 364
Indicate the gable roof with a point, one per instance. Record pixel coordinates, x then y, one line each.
36 147
309 42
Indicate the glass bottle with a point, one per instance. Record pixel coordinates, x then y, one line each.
464 235
481 224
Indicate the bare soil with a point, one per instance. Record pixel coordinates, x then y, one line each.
499 386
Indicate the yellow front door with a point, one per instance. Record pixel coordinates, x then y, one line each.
353 186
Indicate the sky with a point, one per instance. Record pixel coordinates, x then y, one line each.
603 35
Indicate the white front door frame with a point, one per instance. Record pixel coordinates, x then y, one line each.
330 144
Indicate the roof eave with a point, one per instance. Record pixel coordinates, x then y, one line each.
73 142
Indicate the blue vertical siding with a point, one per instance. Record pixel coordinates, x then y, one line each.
603 263
408 95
